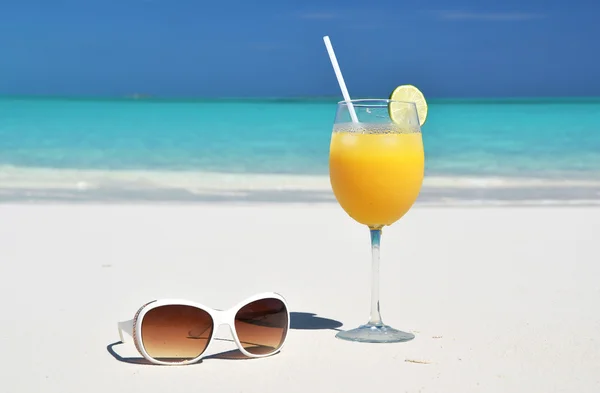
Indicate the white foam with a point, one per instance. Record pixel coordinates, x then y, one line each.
472 182
450 190
195 181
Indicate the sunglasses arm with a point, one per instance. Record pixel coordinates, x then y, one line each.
125 327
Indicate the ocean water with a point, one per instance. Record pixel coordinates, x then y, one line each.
183 143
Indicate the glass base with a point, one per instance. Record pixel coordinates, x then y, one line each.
375 334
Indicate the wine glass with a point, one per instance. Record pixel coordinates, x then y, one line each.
376 167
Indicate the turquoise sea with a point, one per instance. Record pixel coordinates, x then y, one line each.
554 140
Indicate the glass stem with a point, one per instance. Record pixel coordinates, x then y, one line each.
375 241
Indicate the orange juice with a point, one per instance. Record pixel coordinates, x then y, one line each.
376 177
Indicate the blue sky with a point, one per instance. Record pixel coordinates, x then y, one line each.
197 48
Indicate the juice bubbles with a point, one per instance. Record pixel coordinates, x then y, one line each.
376 174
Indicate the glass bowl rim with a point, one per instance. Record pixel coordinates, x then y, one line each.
374 102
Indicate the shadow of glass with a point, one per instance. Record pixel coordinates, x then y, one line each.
310 321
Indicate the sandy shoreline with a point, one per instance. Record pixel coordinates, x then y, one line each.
66 185
500 299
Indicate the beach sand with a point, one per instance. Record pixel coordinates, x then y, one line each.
500 299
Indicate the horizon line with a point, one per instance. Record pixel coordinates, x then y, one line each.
335 98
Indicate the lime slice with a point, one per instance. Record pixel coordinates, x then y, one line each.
411 94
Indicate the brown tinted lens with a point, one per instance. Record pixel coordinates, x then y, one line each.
176 333
262 326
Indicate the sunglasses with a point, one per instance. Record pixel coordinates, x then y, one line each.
179 331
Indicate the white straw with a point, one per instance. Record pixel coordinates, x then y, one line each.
340 78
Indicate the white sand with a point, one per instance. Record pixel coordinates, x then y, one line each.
500 299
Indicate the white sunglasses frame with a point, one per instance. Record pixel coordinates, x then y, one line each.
133 327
